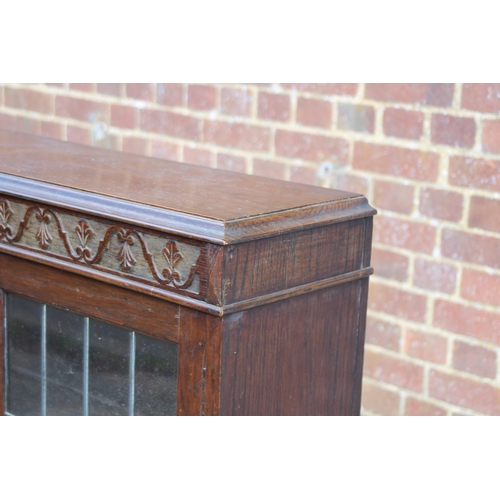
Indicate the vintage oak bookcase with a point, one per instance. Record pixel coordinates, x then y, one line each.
132 285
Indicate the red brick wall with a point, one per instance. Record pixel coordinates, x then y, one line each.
426 155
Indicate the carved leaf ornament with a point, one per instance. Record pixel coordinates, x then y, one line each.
173 256
5 214
43 235
125 255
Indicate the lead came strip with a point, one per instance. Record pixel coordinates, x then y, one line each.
131 389
44 360
86 322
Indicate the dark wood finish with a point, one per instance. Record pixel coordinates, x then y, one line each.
2 353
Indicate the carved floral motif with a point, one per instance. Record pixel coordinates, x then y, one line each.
125 255
43 235
173 256
5 214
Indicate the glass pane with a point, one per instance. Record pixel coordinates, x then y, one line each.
155 376
108 369
24 356
64 362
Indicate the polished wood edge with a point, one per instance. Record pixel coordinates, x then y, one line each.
183 224
296 291
2 352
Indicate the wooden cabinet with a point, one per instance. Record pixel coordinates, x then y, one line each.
248 295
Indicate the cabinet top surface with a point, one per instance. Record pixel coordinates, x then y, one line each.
170 186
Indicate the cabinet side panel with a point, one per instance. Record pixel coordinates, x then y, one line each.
2 353
295 357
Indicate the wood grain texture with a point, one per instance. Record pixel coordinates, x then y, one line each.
2 353
213 366
296 357
112 304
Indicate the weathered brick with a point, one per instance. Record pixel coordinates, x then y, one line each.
416 236
352 183
464 392
110 88
30 100
474 359
474 172
440 94
397 302
274 106
324 88
81 109
303 175
169 94
424 345
481 97
141 91
484 213
468 247
441 204
383 334
433 275
53 130
231 162
391 160
79 135
236 101
393 196
434 94
453 130
491 136
267 168
82 87
237 135
355 117
393 370
198 156
403 123
480 287
314 112
136 145
174 124
315 148
124 116
165 150
202 97
28 125
8 122
390 265
467 320
419 408
380 401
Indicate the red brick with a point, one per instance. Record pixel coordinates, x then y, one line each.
81 109
79 135
389 264
28 125
391 160
481 97
236 102
58 85
467 247
352 183
53 130
314 112
434 275
174 124
435 94
136 145
491 136
418 408
464 392
480 287
474 359
453 130
141 91
415 236
484 213
1 95
165 150
441 204
467 320
203 97
109 88
383 334
7 122
356 117
231 162
324 88
197 156
29 100
426 346
315 148
393 370
403 123
269 168
237 135
303 175
393 196
474 172
82 87
169 94
379 400
397 302
274 106
124 116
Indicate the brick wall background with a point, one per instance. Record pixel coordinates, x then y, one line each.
427 156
